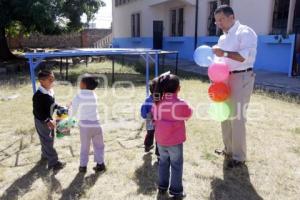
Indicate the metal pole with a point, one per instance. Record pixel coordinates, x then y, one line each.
176 65
32 76
147 74
67 68
159 63
156 64
196 24
113 71
60 67
163 63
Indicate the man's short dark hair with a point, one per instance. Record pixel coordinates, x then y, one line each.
227 10
44 74
90 81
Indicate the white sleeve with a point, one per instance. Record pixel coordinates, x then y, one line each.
248 44
74 106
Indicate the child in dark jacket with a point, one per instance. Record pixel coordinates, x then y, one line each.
147 115
43 108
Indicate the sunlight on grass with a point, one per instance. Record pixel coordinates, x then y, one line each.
272 137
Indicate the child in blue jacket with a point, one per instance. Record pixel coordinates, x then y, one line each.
147 115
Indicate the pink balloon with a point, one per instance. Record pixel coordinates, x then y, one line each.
218 72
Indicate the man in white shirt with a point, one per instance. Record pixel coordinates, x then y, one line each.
237 48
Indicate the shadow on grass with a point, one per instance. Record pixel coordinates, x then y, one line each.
235 186
146 176
23 184
79 186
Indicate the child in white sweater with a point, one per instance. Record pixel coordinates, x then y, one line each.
84 105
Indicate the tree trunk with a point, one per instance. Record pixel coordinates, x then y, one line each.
5 53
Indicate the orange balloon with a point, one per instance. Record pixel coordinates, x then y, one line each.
218 92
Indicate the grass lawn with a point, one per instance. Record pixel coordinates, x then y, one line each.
273 137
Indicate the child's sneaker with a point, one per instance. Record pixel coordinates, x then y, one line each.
58 166
43 160
162 191
148 148
82 169
99 167
178 196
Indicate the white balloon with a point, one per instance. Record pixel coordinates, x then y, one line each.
204 56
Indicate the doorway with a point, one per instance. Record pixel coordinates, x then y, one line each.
296 27
157 34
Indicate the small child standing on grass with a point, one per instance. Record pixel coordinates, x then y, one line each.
170 113
147 114
43 108
84 105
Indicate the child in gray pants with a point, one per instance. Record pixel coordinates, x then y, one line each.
84 105
43 108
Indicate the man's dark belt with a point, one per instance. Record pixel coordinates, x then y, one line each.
240 71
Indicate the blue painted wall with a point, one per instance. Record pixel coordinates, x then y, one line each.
274 52
185 46
142 42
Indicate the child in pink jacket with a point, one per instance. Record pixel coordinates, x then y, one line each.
169 114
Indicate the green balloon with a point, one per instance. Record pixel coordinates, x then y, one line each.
219 111
59 134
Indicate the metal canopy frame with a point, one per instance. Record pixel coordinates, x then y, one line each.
148 55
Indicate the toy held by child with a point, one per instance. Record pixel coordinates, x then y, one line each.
170 114
64 126
64 123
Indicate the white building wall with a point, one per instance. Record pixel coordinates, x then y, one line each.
203 14
122 17
189 16
254 13
258 14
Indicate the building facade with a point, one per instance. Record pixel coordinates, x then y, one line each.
171 25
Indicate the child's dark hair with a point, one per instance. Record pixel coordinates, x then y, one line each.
165 84
44 74
153 85
90 81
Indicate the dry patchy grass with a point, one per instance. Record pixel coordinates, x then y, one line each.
272 171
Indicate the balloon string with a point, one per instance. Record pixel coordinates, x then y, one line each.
211 59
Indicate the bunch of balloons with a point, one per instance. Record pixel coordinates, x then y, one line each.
218 91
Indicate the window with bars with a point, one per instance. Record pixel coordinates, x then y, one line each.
225 2
280 16
177 22
122 2
211 27
296 24
136 25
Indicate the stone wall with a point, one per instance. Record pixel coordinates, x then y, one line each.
85 38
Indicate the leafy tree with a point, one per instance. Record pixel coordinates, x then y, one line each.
43 16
